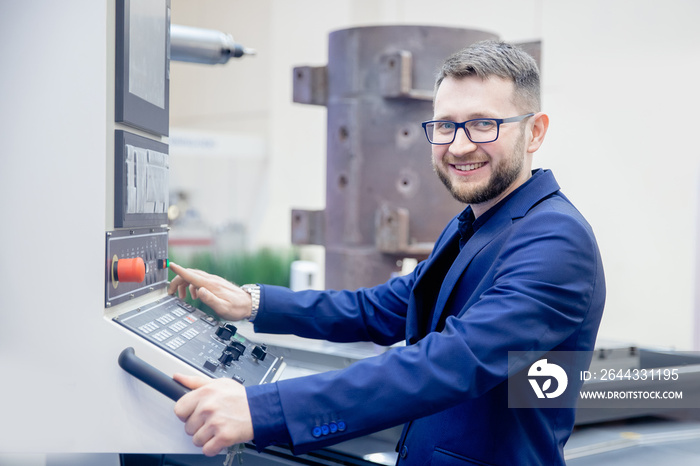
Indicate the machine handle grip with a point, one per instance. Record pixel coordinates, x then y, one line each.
150 375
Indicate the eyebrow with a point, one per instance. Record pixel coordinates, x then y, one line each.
472 116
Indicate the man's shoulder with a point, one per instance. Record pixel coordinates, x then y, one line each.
543 194
556 215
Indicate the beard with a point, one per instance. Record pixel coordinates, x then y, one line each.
503 176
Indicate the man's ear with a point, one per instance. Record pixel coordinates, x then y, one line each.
540 123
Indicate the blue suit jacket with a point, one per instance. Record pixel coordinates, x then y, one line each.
530 279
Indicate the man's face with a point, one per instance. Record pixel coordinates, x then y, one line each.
480 174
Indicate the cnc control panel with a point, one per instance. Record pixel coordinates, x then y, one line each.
200 340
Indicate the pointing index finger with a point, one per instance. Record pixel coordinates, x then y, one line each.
184 278
190 276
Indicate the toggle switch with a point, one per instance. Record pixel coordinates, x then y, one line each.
259 352
227 358
129 270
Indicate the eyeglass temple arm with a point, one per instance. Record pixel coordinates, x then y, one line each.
516 118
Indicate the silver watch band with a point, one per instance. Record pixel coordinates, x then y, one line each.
254 291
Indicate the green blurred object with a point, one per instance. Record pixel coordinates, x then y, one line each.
265 266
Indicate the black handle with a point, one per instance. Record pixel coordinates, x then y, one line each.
150 375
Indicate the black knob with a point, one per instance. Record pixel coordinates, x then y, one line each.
226 332
259 352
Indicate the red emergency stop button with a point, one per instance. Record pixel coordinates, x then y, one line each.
129 270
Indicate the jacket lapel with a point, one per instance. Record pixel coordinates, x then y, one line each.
424 291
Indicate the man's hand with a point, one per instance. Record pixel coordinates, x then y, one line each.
215 413
226 299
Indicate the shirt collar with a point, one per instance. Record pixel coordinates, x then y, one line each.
468 224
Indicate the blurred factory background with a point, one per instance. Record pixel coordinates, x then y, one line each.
618 84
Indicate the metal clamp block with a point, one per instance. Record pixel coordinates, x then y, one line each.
310 85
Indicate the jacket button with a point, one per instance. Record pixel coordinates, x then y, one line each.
317 432
404 452
325 430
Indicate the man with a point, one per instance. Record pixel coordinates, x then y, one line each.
517 270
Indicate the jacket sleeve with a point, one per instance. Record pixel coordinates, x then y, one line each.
545 288
376 314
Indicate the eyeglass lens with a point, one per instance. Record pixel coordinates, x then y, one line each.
443 132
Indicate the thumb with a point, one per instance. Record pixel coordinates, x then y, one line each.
191 381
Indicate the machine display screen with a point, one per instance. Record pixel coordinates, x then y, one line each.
147 36
142 65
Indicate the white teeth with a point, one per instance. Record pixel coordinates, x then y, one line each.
471 166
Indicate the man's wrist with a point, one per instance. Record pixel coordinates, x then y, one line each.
254 291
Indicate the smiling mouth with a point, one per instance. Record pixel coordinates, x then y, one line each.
469 167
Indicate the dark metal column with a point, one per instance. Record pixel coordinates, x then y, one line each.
383 201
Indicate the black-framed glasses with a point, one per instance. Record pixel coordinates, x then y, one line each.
478 130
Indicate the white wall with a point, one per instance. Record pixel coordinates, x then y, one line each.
619 85
631 66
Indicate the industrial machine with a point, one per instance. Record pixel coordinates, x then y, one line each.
90 144
136 259
380 188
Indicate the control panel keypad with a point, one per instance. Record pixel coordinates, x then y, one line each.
197 338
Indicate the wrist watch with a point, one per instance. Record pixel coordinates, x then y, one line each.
254 292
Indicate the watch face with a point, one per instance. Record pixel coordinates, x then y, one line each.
250 288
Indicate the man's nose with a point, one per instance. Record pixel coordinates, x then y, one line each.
462 144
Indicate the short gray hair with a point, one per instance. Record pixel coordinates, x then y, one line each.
493 58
